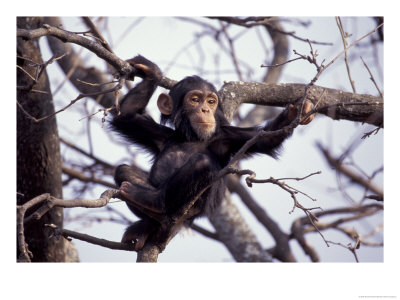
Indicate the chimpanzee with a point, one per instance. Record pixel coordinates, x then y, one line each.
187 158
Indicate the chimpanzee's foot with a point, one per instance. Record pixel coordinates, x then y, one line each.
141 197
138 233
139 239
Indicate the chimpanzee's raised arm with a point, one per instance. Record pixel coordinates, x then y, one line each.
137 98
132 122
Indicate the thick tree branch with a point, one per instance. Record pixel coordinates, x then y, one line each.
282 249
335 104
243 244
121 65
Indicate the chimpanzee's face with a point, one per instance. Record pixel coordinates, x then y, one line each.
200 106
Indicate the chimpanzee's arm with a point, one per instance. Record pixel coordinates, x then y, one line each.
233 138
279 121
132 122
271 144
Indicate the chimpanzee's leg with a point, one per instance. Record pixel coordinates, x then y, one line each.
143 196
139 231
182 186
132 174
136 190
188 181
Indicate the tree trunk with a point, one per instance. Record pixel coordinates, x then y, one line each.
38 148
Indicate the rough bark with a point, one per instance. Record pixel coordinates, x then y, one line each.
237 235
336 103
281 250
38 152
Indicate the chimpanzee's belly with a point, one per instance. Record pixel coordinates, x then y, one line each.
173 159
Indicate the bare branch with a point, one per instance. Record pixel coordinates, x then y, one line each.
205 232
350 247
298 234
90 239
48 203
263 21
122 66
40 67
80 150
282 249
346 59
281 64
372 77
337 164
115 90
232 51
341 53
97 33
78 175
335 104
298 230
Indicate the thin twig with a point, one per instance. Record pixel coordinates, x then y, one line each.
96 33
278 65
372 78
232 51
263 21
115 89
347 48
350 247
346 59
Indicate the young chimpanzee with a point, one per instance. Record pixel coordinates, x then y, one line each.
187 158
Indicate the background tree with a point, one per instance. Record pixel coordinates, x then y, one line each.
218 52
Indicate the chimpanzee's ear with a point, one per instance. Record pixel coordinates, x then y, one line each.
165 104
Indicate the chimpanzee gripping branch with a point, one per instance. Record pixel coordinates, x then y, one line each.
335 104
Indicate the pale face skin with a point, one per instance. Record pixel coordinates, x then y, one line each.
200 105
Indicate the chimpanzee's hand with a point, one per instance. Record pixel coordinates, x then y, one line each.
307 107
146 69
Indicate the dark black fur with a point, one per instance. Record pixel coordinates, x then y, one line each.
183 164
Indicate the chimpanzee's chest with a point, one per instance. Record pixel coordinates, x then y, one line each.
172 159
